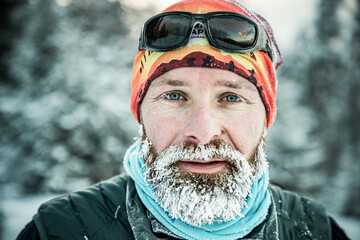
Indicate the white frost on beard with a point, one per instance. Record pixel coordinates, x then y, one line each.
198 204
141 132
145 149
141 129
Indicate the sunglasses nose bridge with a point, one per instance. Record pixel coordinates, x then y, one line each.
196 18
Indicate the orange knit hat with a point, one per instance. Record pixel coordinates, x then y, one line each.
256 66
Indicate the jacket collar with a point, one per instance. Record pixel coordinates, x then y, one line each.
146 226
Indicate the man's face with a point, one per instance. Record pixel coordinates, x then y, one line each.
200 105
202 143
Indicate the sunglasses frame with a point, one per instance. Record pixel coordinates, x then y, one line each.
261 41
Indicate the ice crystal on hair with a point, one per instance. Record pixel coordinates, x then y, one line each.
145 149
141 130
200 199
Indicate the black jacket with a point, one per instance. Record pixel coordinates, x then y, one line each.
113 210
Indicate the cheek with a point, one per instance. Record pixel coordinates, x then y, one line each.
245 131
161 128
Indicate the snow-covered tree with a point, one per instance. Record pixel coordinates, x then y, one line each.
64 102
322 76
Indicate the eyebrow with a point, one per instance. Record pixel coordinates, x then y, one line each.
169 82
233 84
179 83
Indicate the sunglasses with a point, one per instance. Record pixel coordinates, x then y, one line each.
227 31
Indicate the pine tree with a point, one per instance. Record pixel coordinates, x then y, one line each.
322 89
326 73
352 120
8 31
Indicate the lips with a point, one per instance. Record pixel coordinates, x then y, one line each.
203 167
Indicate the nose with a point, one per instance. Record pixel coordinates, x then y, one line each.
202 126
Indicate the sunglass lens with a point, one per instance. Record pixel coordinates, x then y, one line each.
167 31
232 32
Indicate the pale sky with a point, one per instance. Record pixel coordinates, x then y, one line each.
285 16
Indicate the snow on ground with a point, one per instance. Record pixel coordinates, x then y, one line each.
19 211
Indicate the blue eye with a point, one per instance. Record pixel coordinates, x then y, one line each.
232 98
172 96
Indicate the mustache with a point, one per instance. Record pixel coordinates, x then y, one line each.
216 149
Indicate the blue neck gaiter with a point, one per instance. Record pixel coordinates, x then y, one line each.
253 213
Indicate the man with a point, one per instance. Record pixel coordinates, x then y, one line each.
203 90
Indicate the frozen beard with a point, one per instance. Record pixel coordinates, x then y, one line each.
199 199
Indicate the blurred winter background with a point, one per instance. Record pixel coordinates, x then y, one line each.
65 123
